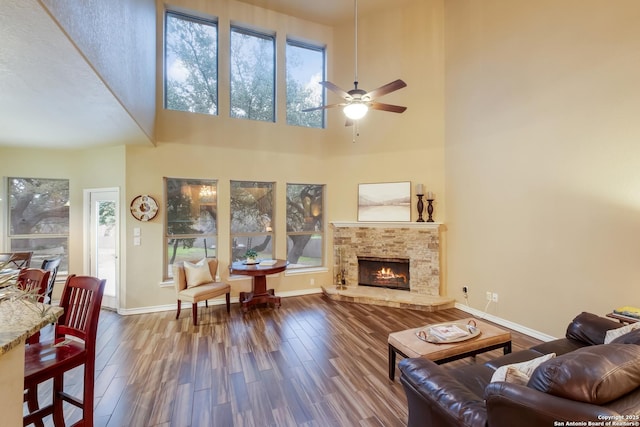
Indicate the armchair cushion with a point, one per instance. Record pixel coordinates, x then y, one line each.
197 274
596 374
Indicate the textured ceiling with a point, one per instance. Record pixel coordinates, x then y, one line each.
50 95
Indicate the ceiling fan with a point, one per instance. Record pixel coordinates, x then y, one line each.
358 101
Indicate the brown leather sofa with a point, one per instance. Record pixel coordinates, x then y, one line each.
586 381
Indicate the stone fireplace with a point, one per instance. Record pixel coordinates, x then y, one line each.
417 242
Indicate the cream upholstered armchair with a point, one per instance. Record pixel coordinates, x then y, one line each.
195 282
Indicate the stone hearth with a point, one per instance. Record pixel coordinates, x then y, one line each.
419 242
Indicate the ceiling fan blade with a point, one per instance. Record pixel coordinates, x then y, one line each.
336 89
383 90
387 107
322 108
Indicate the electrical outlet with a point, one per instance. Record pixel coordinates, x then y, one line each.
494 297
488 296
312 281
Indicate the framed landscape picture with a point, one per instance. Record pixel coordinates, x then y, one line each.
388 201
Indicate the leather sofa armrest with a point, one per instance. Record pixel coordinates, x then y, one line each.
590 328
512 404
436 398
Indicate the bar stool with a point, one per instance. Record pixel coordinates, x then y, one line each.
34 280
74 345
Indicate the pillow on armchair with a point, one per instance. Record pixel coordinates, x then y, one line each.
197 274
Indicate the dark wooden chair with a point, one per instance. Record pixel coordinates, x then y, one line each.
74 345
35 281
52 265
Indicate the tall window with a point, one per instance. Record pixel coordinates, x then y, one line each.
191 64
305 225
191 228
39 218
305 69
253 79
252 222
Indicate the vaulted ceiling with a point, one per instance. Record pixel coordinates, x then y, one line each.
50 94
52 97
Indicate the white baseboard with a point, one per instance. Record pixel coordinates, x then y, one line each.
216 301
506 323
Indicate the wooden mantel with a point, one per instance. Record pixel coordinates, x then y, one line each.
422 225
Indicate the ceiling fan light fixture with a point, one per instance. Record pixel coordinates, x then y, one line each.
355 110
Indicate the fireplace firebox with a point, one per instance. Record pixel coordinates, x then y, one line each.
384 272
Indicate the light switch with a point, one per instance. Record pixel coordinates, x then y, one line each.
136 231
136 241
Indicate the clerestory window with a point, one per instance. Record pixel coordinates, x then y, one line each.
253 78
305 69
191 64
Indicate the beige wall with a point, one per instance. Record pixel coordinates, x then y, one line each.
542 156
404 43
85 169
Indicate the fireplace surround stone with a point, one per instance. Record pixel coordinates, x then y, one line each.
419 242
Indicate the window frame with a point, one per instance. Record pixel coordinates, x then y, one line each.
322 232
290 41
167 268
210 21
10 236
265 35
251 234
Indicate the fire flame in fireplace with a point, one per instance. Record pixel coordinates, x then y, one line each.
388 274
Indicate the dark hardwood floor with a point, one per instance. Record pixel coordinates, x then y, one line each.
313 362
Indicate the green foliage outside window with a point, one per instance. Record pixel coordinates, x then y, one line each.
305 225
252 75
191 64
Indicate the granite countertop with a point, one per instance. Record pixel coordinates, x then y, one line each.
21 319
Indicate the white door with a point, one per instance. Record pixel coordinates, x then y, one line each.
104 242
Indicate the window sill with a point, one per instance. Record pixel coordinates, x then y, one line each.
305 270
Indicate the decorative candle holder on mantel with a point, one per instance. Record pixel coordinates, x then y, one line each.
430 200
420 207
420 194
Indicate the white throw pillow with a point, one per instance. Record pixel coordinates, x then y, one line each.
515 376
526 368
612 334
197 274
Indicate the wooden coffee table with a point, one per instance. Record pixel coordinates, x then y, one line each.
407 344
